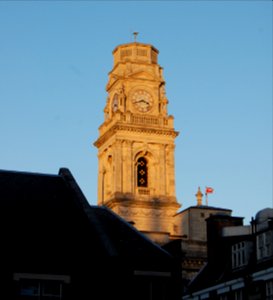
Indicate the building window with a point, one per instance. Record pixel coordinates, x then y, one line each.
151 285
238 295
269 289
39 286
264 245
142 172
126 53
223 297
239 255
40 289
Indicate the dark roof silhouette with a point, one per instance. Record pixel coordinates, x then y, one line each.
48 227
44 198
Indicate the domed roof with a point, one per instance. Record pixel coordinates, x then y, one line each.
264 214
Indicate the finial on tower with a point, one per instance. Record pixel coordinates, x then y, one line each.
135 36
199 197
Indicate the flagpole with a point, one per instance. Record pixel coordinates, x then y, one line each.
208 190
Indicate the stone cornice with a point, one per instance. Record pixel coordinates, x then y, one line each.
138 202
133 128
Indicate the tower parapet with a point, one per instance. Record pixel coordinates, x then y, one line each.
135 53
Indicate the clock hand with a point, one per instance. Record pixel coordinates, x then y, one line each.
142 100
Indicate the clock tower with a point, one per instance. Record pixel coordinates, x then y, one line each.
136 143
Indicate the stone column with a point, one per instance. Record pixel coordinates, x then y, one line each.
117 167
127 167
162 169
100 181
170 168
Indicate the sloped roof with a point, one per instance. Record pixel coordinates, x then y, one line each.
44 197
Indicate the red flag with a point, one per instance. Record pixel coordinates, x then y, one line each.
209 190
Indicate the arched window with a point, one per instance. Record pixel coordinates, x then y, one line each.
142 172
115 103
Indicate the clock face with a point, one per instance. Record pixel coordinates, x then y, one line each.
142 100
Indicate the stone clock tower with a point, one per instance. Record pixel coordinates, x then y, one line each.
136 143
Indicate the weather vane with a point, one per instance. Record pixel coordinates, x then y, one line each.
135 36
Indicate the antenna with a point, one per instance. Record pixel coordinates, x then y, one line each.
135 36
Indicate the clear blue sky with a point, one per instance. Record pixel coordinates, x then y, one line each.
217 60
